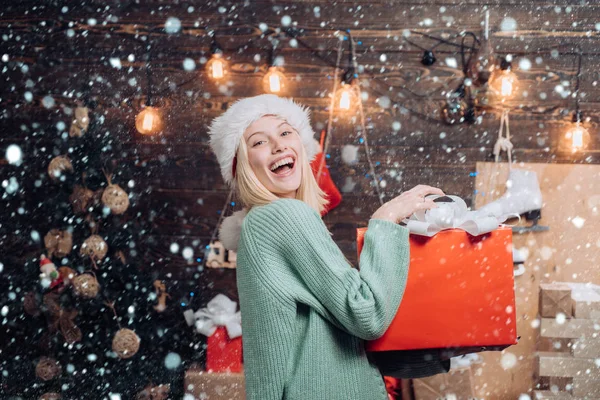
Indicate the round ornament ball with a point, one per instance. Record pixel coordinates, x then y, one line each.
85 286
116 199
126 343
47 369
59 165
50 396
95 247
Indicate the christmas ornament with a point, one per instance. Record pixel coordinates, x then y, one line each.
161 294
81 122
47 369
58 243
67 275
218 256
81 199
160 392
49 276
126 343
95 247
50 396
86 286
58 165
68 328
115 198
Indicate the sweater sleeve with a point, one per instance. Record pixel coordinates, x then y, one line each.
363 302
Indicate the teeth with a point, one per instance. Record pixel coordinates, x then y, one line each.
279 163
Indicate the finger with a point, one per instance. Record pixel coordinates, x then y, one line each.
426 205
427 190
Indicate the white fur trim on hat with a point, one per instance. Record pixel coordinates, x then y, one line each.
227 129
231 229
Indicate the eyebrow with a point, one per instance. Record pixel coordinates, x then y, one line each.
278 126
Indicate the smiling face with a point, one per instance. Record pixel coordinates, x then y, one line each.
271 141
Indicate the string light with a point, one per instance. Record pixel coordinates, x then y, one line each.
346 97
149 121
577 136
504 82
274 79
216 66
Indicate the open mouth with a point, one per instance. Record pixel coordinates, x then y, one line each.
285 169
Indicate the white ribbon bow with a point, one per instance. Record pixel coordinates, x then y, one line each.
449 215
220 311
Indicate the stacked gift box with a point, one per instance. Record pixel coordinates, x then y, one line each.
569 345
457 384
223 377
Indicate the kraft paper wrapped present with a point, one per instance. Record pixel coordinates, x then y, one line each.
202 385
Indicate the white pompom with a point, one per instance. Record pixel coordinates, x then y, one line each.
231 229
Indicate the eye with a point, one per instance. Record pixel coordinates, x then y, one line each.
260 141
287 132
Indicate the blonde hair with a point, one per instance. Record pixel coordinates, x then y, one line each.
251 192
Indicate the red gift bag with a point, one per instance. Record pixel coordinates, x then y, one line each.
325 183
459 294
223 354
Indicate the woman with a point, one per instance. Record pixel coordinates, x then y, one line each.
305 310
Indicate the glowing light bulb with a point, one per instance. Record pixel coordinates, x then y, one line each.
149 121
274 83
578 137
217 69
505 83
216 66
345 100
274 80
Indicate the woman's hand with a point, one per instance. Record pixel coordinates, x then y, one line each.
404 205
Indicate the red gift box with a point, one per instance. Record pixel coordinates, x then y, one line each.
459 293
222 353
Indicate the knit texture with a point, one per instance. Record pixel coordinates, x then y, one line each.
306 311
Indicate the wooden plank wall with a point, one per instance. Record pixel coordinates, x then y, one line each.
57 50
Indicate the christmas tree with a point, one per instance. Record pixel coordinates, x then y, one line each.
87 315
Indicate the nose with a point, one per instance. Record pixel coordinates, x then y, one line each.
278 145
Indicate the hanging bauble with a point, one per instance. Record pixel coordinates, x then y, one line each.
85 286
95 247
116 199
81 199
58 243
50 396
47 368
126 343
80 123
58 165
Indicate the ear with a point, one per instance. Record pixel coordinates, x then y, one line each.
231 229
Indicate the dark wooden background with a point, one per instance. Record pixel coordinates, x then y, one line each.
56 49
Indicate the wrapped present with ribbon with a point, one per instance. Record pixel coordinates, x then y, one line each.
222 325
459 296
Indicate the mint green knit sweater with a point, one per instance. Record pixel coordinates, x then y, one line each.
306 311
